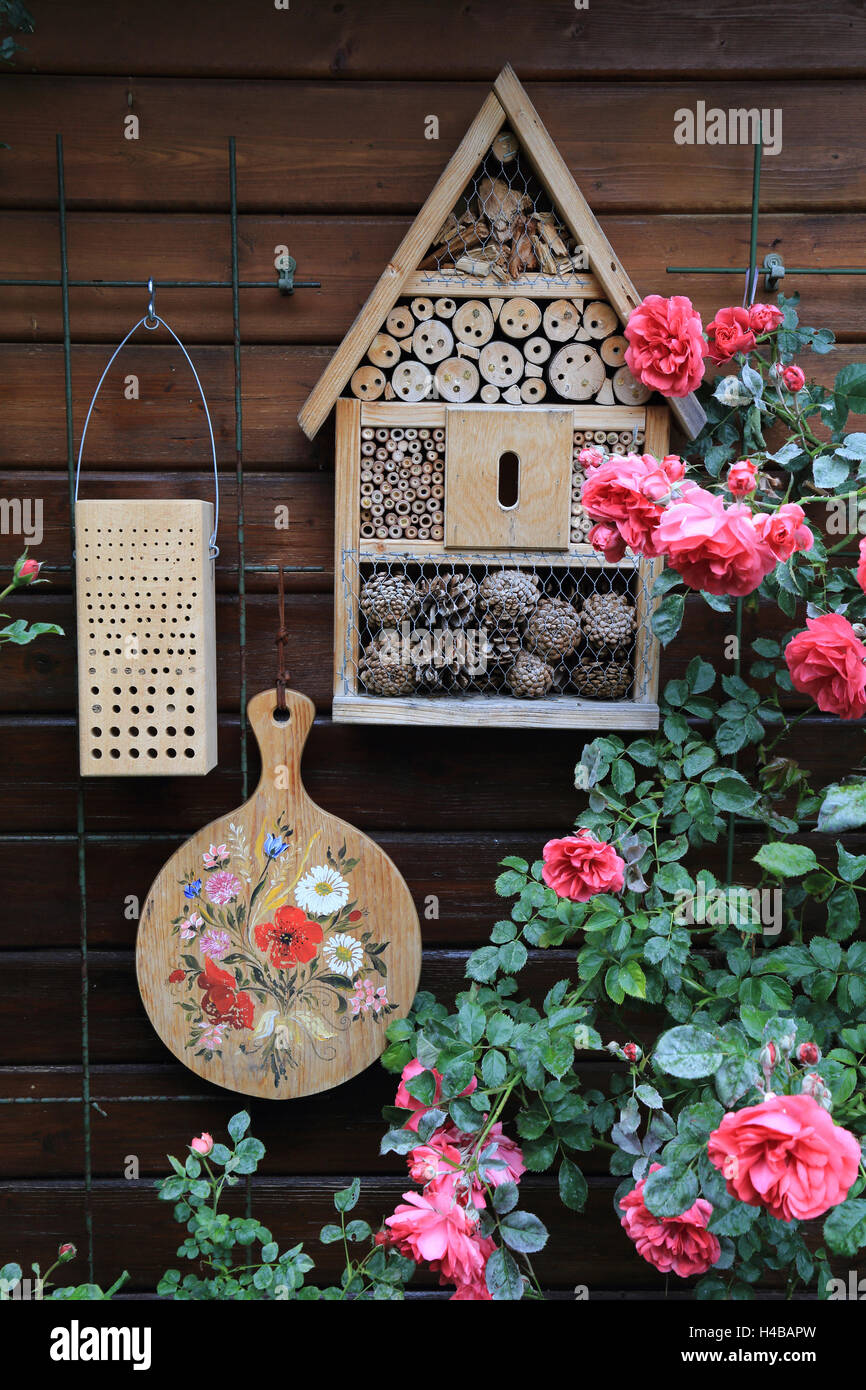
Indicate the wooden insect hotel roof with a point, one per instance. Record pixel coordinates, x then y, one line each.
412 269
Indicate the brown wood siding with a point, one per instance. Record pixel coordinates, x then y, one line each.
328 106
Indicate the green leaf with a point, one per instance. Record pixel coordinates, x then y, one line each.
668 617
649 1095
329 1235
500 1029
632 980
850 386
347 1197
238 1125
670 1193
503 1277
827 953
512 957
786 860
572 1185
688 1052
422 1087
843 807
494 1068
851 866
523 1232
510 883
733 794
483 964
845 1227
505 1197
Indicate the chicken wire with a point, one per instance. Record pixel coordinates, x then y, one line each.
505 226
463 625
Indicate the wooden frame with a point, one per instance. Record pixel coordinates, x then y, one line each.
351 705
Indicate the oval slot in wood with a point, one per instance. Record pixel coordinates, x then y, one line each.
508 484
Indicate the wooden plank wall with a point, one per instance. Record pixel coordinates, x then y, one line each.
328 105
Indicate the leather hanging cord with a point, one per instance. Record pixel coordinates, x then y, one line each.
281 639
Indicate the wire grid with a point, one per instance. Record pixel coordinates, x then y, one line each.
464 625
504 225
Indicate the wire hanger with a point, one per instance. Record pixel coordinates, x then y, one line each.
151 321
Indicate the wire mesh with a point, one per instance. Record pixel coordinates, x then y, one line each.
505 225
465 624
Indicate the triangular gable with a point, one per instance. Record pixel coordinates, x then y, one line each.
507 102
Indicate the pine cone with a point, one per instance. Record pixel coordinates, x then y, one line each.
529 676
500 645
448 660
448 598
381 673
553 629
608 621
601 680
508 594
386 599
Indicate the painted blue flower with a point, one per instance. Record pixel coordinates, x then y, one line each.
193 889
274 846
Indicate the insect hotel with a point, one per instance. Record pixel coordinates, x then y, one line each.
489 354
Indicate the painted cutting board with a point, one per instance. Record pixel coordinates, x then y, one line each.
278 943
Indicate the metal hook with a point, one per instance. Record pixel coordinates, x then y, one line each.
151 320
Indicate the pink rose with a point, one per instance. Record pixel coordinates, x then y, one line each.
579 866
666 345
202 1145
742 478
476 1291
680 1245
29 570
826 662
794 378
765 318
861 567
628 492
729 332
435 1227
408 1102
504 1161
714 547
608 540
784 530
787 1156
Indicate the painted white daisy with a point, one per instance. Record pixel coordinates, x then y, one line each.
322 891
343 954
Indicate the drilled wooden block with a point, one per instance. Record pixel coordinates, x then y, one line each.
146 644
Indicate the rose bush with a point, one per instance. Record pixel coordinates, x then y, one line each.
738 1113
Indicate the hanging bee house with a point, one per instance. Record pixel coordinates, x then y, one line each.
489 355
146 627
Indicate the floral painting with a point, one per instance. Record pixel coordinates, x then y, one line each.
276 958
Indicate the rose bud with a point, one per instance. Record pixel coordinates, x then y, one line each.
66 1252
25 571
175 977
632 1052
768 1059
613 1047
794 378
808 1053
813 1085
742 478
202 1145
